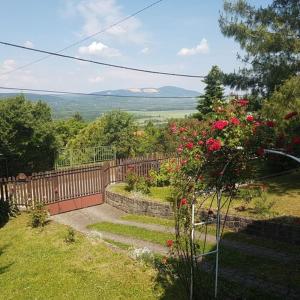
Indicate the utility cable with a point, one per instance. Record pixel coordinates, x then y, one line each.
85 39
100 63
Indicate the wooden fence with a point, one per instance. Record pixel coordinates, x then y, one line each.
60 185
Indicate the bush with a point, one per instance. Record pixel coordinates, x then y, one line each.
161 177
70 236
137 183
7 210
263 206
38 216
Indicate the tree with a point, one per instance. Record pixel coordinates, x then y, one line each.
27 138
67 129
270 38
213 93
116 128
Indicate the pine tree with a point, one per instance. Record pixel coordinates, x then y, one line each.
213 92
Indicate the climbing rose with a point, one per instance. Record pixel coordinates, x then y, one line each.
173 128
220 125
179 149
213 144
270 123
183 202
260 151
169 243
296 140
182 129
250 118
189 145
200 143
290 115
243 102
235 121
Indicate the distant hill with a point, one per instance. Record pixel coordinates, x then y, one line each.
90 107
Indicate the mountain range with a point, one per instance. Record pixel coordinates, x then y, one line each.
91 106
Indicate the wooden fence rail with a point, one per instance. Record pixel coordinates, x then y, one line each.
59 185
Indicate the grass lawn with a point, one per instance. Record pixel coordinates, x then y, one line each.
133 231
38 264
283 190
227 234
262 268
161 194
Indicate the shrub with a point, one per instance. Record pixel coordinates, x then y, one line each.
7 210
70 236
137 183
38 216
263 206
161 177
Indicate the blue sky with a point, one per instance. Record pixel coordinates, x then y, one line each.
173 36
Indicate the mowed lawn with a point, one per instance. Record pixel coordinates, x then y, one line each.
38 264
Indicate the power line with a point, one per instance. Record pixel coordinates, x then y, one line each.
100 63
86 38
93 94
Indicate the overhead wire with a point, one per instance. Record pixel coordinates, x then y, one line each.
86 38
100 63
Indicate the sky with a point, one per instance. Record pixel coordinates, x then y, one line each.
172 36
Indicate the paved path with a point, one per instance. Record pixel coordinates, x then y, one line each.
80 219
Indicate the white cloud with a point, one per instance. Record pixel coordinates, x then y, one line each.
96 79
28 44
99 49
202 48
145 50
7 65
97 15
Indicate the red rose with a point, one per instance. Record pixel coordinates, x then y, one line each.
179 149
250 118
290 115
213 144
260 151
189 145
220 125
183 202
169 243
173 128
235 121
270 123
243 102
296 140
200 143
182 129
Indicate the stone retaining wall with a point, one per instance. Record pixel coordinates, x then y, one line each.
263 228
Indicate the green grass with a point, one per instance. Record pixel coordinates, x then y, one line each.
148 220
135 232
120 245
38 264
161 194
263 268
283 190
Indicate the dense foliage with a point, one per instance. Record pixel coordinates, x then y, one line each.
27 138
269 37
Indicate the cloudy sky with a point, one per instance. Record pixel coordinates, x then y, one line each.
173 36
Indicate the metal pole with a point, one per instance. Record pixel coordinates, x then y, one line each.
217 241
192 245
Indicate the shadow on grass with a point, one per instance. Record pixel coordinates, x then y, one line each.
4 268
245 274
